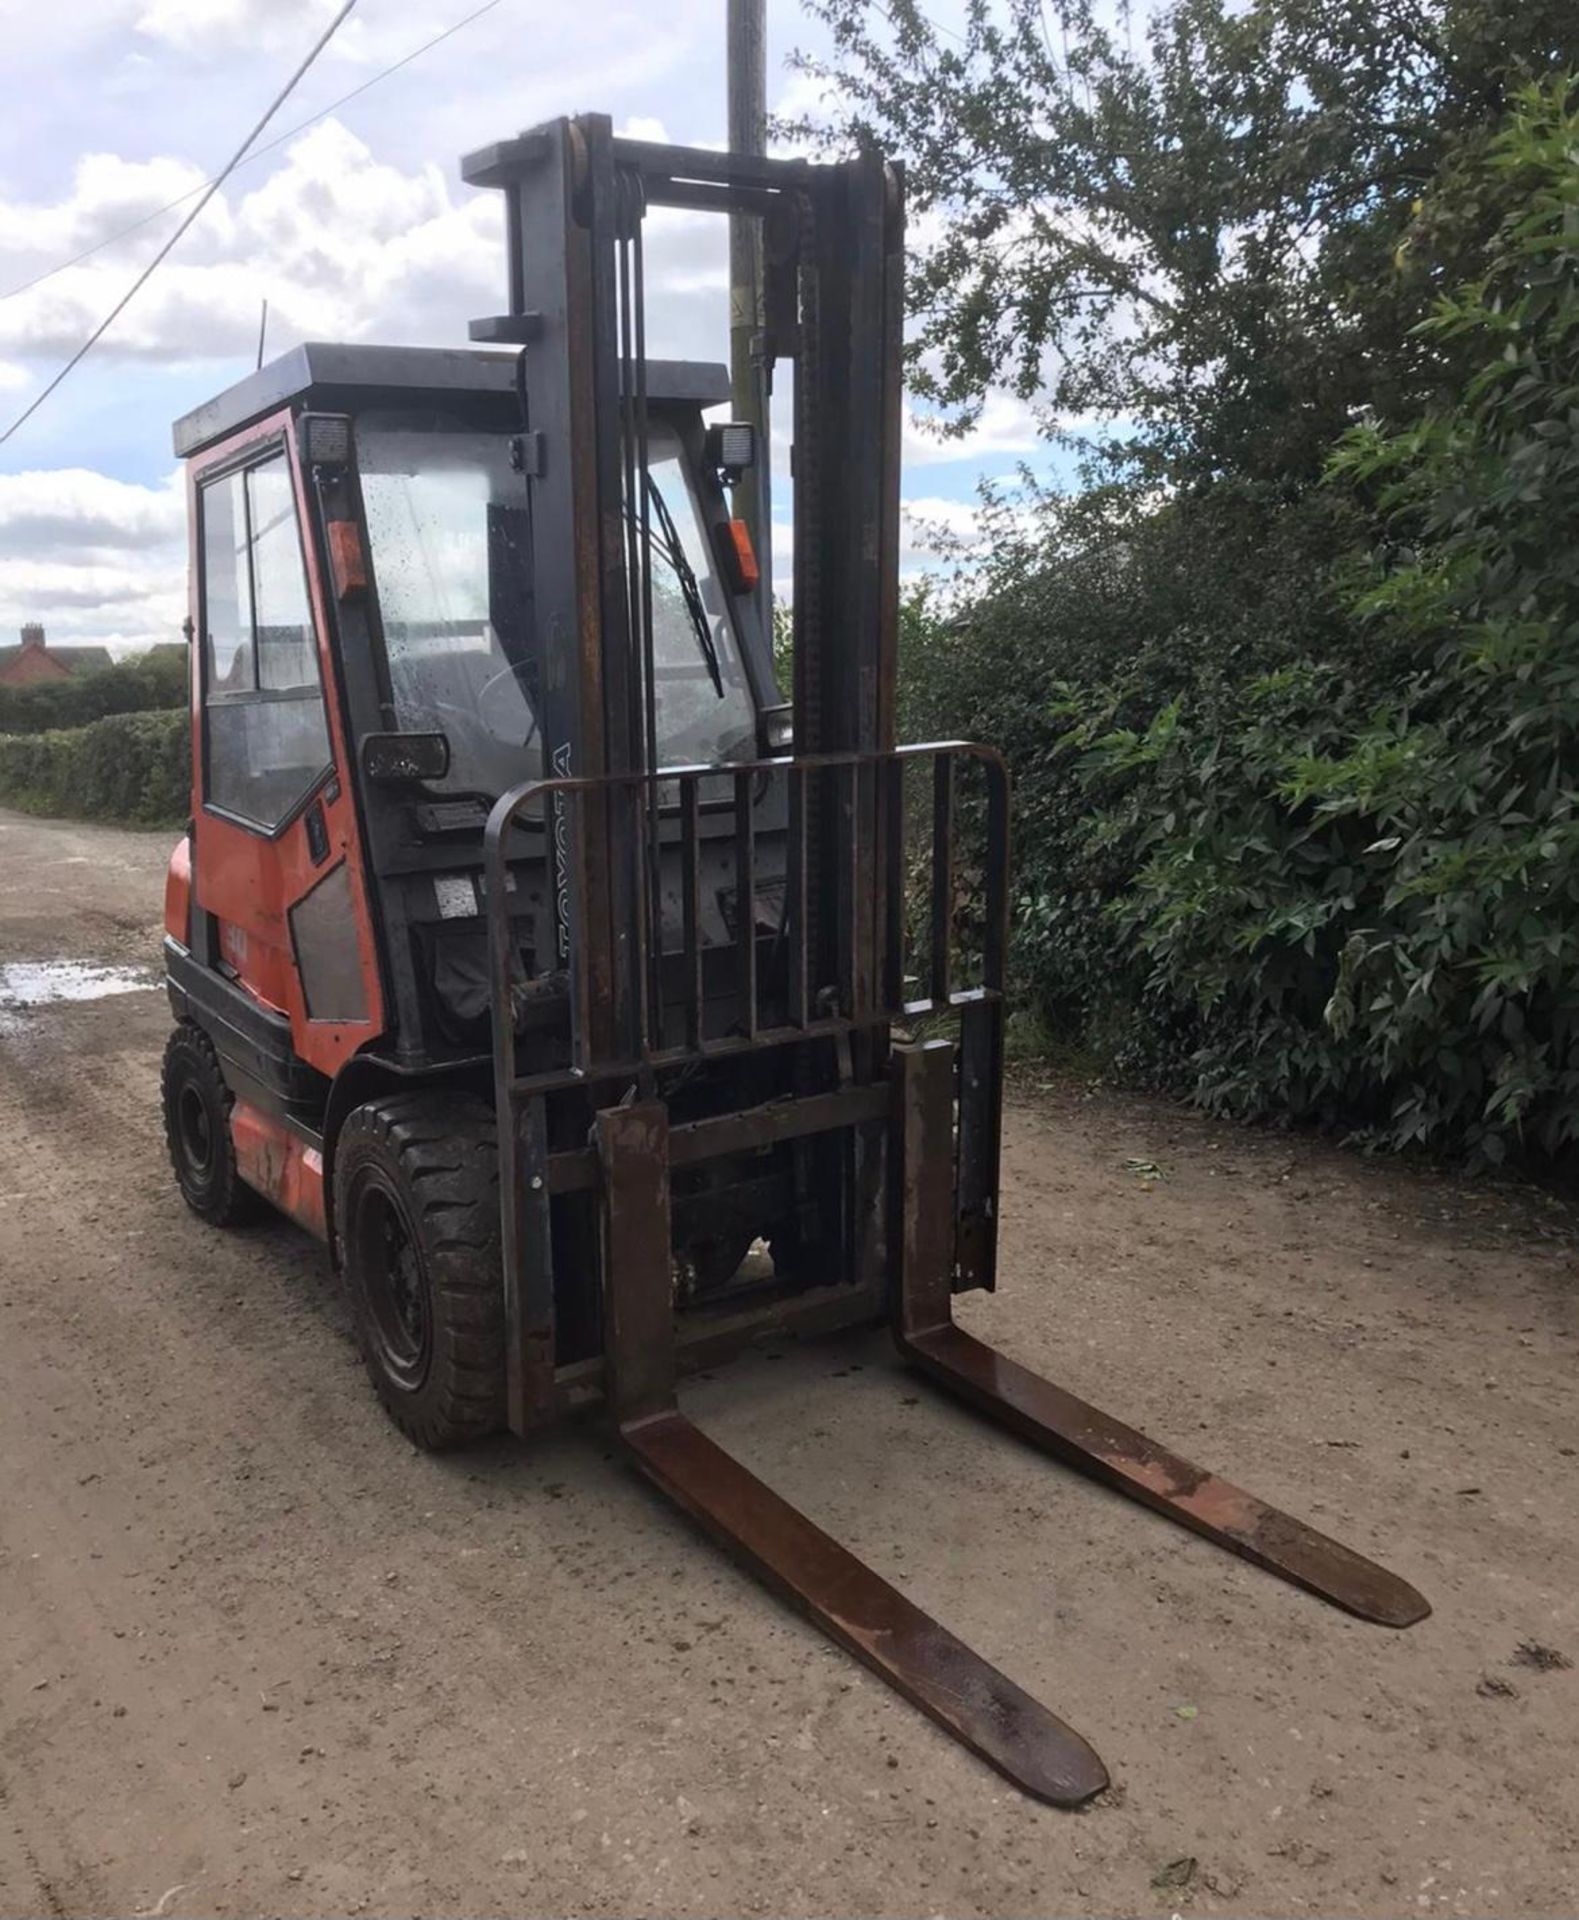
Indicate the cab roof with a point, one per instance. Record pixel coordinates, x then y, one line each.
339 379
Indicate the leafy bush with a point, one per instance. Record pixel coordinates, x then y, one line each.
1354 888
132 768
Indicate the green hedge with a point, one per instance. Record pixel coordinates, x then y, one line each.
1359 883
1296 817
146 683
132 768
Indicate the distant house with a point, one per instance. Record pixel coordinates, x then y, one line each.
33 663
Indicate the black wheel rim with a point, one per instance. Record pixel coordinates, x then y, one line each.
195 1128
394 1286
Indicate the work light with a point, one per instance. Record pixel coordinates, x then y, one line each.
732 448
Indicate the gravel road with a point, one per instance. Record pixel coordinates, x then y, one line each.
259 1656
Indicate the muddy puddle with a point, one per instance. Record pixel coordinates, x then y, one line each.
26 985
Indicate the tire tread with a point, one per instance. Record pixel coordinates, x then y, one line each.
189 1054
441 1149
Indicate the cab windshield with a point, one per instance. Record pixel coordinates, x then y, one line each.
447 523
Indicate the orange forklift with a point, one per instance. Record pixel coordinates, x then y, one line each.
602 1010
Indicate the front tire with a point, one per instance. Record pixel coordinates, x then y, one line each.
416 1183
197 1106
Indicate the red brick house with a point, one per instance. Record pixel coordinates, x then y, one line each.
33 663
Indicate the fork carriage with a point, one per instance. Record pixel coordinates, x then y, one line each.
777 1035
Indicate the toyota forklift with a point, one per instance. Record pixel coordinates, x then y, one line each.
602 1010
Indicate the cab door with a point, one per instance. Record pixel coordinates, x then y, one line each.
278 857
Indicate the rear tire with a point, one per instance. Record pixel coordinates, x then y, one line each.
197 1106
416 1184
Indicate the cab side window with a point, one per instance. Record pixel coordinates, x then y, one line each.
266 738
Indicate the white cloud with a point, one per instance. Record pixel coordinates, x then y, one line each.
936 534
210 28
341 245
1006 426
932 528
108 193
94 559
800 96
72 509
642 126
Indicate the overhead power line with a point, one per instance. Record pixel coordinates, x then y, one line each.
269 146
213 187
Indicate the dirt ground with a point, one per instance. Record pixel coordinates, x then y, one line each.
259 1656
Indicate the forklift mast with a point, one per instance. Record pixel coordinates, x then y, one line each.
601 1009
818 971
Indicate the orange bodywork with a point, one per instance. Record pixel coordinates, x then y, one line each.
250 880
281 1165
178 893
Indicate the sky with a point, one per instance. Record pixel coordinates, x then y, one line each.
355 228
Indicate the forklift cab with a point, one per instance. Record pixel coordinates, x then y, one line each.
370 676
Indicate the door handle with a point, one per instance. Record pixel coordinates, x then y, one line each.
317 834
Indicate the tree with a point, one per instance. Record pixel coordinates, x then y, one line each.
1189 231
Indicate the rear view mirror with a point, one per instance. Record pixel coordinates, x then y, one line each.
393 757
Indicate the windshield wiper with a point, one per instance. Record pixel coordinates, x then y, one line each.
673 550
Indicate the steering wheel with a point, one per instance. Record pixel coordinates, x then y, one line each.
469 717
512 674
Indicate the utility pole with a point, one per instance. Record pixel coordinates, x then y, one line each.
747 66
